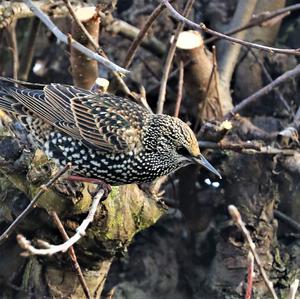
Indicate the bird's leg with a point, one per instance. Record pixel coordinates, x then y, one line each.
101 184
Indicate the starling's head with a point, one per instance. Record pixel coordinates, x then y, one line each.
181 142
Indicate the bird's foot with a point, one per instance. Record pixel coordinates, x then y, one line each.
100 183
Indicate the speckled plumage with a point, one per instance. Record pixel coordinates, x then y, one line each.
102 135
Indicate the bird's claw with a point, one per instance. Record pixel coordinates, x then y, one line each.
100 185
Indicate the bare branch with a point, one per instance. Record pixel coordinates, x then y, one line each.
28 209
236 217
80 232
246 148
269 78
13 10
180 88
13 45
202 27
63 38
259 20
139 38
72 254
131 32
254 97
250 275
169 59
27 53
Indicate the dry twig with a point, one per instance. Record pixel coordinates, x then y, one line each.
179 88
169 59
202 27
139 38
270 79
50 249
72 254
246 148
216 76
254 97
259 20
236 217
130 32
96 46
31 205
250 276
63 38
13 46
27 53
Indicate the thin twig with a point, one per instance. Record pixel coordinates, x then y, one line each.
258 20
270 79
50 249
179 88
236 217
211 75
169 59
254 97
246 148
63 38
139 38
202 27
72 254
250 274
96 46
82 28
13 45
216 77
31 205
27 53
206 102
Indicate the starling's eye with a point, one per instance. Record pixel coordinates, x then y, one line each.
183 151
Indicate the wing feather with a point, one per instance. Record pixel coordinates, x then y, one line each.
102 121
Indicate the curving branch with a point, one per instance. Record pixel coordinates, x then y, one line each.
254 97
260 20
63 38
202 27
236 217
80 232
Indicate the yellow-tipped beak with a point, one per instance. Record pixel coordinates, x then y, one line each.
202 161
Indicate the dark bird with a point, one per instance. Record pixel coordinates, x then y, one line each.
103 136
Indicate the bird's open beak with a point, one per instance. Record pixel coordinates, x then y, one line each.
202 161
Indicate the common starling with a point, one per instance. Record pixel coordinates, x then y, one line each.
104 136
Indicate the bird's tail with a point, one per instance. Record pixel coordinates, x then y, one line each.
6 101
8 86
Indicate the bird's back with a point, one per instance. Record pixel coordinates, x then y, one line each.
102 121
